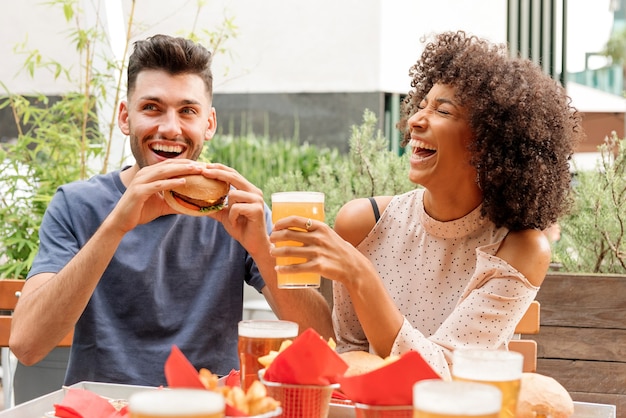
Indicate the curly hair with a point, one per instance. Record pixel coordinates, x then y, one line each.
525 129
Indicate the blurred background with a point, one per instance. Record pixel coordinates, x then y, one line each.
308 69
301 71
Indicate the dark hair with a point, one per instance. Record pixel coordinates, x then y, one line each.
174 55
525 129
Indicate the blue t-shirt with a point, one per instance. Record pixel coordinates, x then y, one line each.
177 280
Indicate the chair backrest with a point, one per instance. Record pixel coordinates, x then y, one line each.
528 325
10 291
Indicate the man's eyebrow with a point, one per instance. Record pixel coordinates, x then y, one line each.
159 100
150 98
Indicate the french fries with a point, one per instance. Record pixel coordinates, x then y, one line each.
267 359
253 402
208 379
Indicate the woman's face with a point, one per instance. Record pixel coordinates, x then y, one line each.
440 135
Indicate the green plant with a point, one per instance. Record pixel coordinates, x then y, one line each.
261 158
593 237
369 169
57 142
67 139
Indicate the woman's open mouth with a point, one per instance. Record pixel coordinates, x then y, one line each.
422 150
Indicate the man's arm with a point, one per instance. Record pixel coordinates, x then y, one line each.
50 304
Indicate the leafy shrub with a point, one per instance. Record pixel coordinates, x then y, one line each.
369 169
593 235
260 158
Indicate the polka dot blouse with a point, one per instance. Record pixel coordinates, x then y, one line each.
445 279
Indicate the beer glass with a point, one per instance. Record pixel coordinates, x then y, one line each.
256 339
307 204
436 398
499 368
176 403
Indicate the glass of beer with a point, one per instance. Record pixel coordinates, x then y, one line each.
307 204
176 403
257 338
499 368
436 398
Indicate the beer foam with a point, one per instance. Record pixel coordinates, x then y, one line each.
456 398
294 197
268 329
176 402
487 365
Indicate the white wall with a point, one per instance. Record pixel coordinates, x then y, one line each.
404 22
282 45
296 45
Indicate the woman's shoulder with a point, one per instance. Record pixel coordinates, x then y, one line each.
357 217
529 252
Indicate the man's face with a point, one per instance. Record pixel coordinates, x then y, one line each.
167 116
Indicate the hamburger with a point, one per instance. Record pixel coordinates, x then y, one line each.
542 395
361 362
198 196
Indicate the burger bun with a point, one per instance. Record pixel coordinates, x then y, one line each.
543 395
198 196
361 362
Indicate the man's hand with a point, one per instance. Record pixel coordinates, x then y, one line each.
244 215
143 200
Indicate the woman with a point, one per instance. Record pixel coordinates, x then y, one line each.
456 262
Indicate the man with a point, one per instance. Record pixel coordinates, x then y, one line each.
128 274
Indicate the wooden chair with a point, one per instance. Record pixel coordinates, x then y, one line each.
528 325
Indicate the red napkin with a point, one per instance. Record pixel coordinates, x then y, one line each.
309 360
81 403
389 385
179 371
233 378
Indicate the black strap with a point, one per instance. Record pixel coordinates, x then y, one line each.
375 208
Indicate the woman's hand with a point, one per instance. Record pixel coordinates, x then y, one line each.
325 251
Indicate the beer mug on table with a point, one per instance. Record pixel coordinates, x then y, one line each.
499 368
176 403
257 337
311 206
436 398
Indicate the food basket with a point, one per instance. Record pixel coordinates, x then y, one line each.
300 401
275 413
383 411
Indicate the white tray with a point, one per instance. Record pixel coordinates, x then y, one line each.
581 410
593 410
37 407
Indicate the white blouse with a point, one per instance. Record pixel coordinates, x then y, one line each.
445 279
